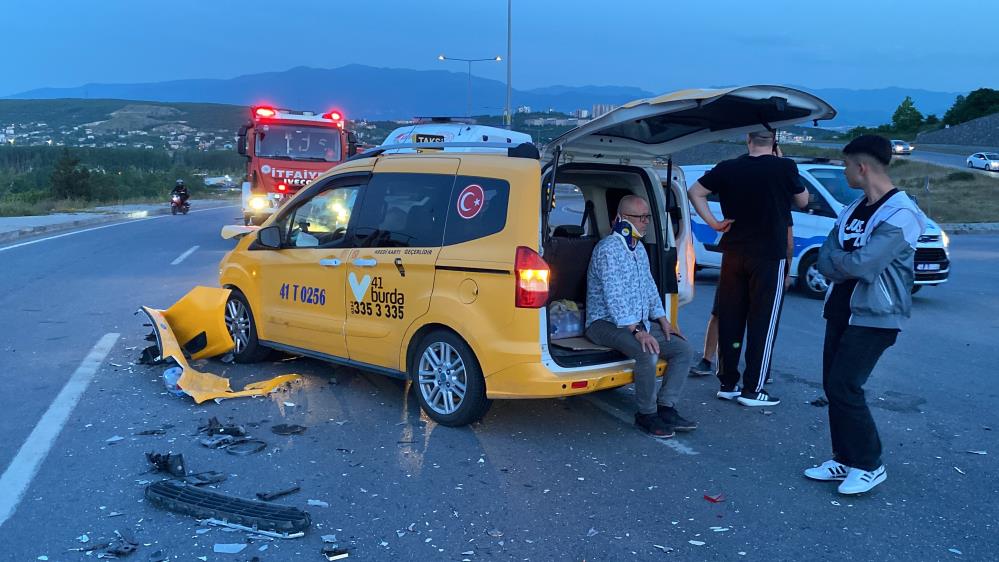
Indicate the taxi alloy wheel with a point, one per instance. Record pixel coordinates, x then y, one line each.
448 380
239 322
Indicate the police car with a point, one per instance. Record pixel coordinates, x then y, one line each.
828 193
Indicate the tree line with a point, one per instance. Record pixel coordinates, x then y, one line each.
908 121
35 174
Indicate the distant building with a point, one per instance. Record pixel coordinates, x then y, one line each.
581 113
602 108
524 109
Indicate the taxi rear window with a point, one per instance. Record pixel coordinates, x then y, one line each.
478 208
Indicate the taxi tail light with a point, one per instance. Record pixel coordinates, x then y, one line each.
532 278
282 188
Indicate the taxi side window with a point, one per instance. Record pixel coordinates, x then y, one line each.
321 222
568 217
478 209
402 211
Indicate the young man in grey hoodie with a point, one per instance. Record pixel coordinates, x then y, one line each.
868 258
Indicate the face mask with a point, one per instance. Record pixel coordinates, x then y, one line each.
628 232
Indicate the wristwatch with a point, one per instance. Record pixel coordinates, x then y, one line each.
638 328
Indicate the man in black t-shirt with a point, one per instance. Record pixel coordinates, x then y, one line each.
756 191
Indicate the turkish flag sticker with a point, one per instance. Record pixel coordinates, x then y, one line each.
470 201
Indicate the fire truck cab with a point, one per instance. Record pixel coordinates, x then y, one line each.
285 151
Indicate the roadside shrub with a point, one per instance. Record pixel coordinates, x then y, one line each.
960 176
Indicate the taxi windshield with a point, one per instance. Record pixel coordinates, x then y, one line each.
320 144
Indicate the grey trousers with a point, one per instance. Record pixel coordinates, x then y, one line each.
676 352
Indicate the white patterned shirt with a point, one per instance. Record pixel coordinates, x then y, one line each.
619 285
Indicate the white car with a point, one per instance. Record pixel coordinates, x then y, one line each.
984 160
900 147
828 195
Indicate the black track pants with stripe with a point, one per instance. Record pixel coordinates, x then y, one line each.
750 294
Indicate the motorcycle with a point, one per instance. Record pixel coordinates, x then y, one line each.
178 204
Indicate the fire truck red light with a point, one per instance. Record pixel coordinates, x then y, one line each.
265 112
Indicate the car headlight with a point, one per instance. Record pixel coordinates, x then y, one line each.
945 238
257 203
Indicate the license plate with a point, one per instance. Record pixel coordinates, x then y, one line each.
927 267
423 137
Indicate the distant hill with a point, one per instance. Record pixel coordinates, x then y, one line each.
121 114
393 93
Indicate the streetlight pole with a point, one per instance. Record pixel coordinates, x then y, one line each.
497 58
509 61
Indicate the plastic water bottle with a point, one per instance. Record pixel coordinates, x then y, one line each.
170 378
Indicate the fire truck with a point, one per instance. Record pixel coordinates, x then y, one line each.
285 150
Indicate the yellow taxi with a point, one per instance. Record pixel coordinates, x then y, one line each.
463 268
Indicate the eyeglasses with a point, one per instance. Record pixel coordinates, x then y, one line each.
642 218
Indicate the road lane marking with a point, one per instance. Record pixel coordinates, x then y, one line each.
672 443
22 470
183 256
126 221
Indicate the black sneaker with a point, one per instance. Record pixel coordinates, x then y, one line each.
674 419
703 368
757 399
729 392
654 426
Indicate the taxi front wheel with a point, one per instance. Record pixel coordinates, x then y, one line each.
243 329
447 380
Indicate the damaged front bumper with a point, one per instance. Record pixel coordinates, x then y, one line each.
194 328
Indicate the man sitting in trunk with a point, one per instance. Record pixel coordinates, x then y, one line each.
621 299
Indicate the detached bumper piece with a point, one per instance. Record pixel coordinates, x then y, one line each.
194 327
205 504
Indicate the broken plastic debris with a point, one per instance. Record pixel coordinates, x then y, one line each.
83 538
663 548
834 502
954 551
318 503
978 452
114 439
271 496
255 532
205 504
334 552
215 427
495 533
229 548
288 429
289 404
243 447
172 464
468 553
715 499
696 543
959 470
719 529
592 532
218 441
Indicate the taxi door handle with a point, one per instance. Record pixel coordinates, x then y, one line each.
330 262
365 262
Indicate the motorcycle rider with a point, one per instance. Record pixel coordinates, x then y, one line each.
180 189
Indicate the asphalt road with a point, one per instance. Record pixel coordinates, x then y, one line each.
921 154
536 480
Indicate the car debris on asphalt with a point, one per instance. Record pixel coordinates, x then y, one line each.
200 503
271 496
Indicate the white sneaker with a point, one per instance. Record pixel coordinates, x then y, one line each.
758 399
827 471
729 393
859 481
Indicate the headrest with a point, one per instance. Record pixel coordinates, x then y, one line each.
568 231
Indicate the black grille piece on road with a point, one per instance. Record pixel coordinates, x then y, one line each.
204 504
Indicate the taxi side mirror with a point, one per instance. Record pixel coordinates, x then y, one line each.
351 144
270 237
